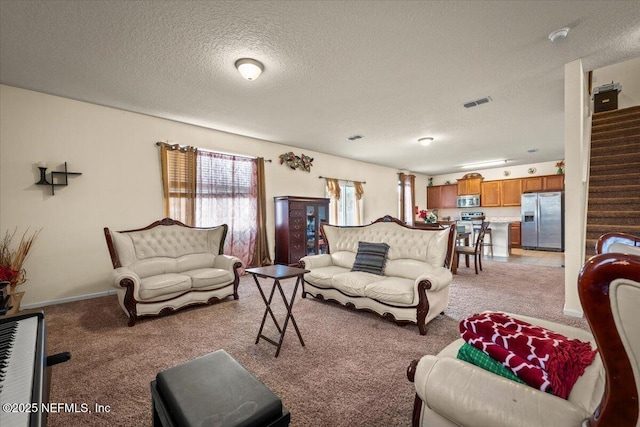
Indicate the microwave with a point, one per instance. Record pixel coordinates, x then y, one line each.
472 201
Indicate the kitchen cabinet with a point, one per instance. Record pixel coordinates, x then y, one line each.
516 239
442 196
490 194
297 223
469 186
530 185
543 183
510 190
553 182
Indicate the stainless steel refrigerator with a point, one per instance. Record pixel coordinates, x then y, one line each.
543 221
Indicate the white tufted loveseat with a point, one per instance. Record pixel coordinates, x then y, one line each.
417 275
168 265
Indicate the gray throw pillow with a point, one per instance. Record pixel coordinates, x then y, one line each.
371 258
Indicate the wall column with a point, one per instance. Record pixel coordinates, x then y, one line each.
575 185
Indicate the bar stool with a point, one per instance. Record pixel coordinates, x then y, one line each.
490 243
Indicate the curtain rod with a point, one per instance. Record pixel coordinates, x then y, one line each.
339 179
178 147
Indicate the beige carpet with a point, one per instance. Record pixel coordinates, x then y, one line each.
352 371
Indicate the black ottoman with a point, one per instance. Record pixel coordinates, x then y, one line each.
214 390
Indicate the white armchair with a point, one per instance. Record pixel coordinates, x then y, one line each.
450 392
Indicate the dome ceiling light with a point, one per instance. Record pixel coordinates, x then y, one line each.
249 68
559 35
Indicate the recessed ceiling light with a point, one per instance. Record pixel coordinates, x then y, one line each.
485 164
558 35
249 68
425 141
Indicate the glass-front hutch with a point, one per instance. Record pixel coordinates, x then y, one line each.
297 223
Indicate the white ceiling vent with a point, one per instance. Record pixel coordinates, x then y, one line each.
477 102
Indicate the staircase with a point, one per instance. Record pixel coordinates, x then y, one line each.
614 182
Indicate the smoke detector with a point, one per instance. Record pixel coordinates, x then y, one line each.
558 35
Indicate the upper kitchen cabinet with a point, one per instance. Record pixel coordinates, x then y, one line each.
469 186
442 196
553 183
533 184
543 183
490 194
511 190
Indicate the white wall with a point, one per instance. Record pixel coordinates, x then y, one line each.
120 186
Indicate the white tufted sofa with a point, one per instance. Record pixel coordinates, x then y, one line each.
168 265
415 285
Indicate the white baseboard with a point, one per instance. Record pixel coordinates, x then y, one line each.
69 299
573 313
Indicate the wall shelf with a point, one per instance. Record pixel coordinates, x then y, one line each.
62 178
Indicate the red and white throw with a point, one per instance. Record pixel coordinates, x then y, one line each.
543 359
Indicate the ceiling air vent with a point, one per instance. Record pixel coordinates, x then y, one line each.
354 137
477 102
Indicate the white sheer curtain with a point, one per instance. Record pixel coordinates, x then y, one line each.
227 193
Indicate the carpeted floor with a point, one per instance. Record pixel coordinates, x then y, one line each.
351 372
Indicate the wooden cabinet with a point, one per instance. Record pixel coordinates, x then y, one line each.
470 186
516 239
434 196
490 194
543 183
511 190
442 196
530 185
553 182
298 222
501 193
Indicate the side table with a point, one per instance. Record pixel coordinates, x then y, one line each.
277 272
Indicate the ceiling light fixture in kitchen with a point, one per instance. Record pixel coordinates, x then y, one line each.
425 141
484 164
249 68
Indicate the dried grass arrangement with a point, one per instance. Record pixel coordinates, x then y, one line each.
12 261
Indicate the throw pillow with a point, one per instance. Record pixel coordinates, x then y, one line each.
371 258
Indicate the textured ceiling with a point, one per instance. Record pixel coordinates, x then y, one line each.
392 71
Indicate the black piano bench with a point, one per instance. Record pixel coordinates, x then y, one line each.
214 390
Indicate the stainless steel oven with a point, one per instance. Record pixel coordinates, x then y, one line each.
470 201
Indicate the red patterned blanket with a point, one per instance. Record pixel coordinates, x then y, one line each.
543 359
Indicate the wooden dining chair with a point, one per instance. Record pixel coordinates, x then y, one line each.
475 250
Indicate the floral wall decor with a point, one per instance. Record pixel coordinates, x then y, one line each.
297 162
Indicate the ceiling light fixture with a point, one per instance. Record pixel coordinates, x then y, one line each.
481 165
249 68
558 35
425 141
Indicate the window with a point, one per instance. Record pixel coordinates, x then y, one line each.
205 189
347 208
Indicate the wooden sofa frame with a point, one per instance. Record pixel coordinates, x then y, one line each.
423 303
619 404
129 299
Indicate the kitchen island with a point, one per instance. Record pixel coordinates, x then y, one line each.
500 237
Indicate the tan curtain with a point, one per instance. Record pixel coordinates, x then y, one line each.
261 255
359 190
333 188
179 182
406 197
